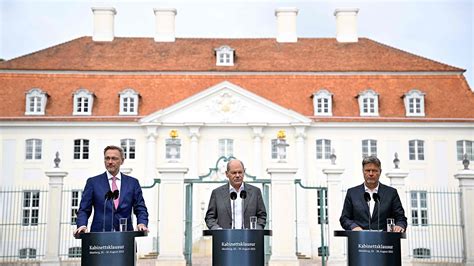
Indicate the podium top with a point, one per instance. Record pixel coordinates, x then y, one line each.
128 233
211 232
350 233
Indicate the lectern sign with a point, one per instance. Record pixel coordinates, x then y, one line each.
109 248
239 247
373 247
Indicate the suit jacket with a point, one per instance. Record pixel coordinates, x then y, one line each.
356 210
93 197
219 211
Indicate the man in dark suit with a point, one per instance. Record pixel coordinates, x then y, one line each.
356 212
219 212
94 197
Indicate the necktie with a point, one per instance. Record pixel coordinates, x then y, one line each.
114 187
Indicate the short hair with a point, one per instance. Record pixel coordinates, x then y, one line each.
228 164
112 147
371 159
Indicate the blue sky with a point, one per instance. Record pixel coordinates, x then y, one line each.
441 30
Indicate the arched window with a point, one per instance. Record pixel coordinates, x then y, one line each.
128 102
414 103
368 103
322 103
224 56
83 102
35 102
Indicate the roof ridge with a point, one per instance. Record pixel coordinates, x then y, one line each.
415 55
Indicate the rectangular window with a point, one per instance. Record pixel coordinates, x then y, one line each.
35 104
323 149
368 105
128 105
81 149
274 150
414 105
27 253
323 193
421 253
369 147
33 149
82 105
173 149
226 147
128 146
465 147
416 150
75 200
419 208
323 105
31 202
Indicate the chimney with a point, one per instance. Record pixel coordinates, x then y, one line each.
346 24
103 24
286 24
165 24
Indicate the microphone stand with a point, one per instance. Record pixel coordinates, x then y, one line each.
243 196
367 199
115 195
107 197
377 200
233 196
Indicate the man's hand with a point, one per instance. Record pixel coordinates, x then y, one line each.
78 231
142 227
357 228
398 229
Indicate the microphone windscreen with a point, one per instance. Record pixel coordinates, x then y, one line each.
233 195
376 197
243 194
367 196
108 195
116 194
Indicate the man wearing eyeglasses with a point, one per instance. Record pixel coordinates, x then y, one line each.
237 200
111 192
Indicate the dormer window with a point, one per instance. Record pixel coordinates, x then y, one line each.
128 102
35 102
368 103
322 103
414 103
83 102
224 56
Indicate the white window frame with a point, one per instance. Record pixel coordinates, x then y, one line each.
369 147
83 99
323 149
76 196
421 253
129 148
322 103
129 99
224 56
84 150
30 208
416 150
414 101
74 252
168 149
419 208
33 149
368 103
27 253
325 198
465 146
226 147
36 100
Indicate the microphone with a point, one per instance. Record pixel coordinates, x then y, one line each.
367 199
233 196
377 200
114 196
243 196
107 196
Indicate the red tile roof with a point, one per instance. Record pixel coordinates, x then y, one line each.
447 96
194 54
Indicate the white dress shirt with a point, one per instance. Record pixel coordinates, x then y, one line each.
238 206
